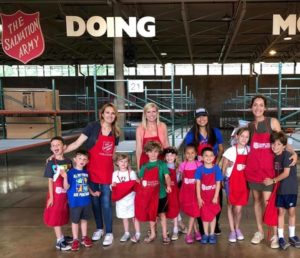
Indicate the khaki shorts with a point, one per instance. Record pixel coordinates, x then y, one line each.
260 187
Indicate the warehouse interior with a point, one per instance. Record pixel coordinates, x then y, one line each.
213 54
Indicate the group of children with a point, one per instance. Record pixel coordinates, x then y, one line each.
162 189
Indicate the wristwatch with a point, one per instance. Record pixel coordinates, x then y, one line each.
274 181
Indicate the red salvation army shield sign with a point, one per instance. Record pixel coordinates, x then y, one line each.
22 37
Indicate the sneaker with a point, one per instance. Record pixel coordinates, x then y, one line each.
125 237
274 242
257 238
75 245
68 239
239 235
136 238
174 236
62 245
217 230
294 241
97 234
108 239
182 229
86 241
197 236
204 239
232 237
282 244
189 239
166 241
212 239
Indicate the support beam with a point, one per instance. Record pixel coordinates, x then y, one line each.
187 31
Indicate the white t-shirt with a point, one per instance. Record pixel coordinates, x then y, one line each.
230 154
123 176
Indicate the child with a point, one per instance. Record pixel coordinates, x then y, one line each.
187 195
170 154
235 182
56 213
76 184
123 181
151 197
288 189
208 183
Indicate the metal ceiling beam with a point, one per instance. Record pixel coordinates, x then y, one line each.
233 30
187 31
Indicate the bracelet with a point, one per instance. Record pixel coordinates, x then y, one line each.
274 181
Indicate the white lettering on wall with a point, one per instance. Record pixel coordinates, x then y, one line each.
291 23
97 26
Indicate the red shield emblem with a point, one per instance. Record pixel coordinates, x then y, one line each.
22 37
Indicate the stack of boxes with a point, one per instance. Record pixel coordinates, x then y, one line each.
31 125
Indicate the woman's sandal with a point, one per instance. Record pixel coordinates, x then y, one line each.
149 239
166 240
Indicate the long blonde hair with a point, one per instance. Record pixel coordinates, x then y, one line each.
146 108
114 126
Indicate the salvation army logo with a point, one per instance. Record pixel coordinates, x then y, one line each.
22 37
107 147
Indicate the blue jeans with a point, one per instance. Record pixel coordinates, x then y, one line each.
102 206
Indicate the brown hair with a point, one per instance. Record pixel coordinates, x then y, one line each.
259 97
58 138
120 156
280 136
241 130
114 126
152 145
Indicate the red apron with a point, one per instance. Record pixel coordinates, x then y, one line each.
187 196
100 166
144 158
58 213
147 196
173 197
270 216
122 188
238 189
208 186
260 161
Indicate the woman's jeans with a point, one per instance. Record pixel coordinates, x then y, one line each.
102 206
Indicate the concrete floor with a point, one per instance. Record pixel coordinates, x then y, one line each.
23 234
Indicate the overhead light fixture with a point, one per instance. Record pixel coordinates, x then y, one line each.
226 17
272 52
163 54
287 38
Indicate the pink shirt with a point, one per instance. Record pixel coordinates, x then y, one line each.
186 165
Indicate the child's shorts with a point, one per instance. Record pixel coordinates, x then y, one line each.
79 213
286 201
162 205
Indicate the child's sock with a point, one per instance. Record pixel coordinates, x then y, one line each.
280 232
60 239
291 231
138 235
127 233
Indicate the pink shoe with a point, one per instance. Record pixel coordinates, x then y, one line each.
198 236
189 239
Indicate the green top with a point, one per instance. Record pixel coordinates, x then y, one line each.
162 171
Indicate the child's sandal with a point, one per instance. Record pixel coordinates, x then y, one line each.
166 240
149 239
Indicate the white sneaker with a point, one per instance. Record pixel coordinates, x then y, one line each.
274 242
257 238
108 239
125 237
97 235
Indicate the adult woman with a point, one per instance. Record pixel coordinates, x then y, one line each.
151 129
260 163
100 139
202 135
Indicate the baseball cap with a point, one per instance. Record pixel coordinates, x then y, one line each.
201 112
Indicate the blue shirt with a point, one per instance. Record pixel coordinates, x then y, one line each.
203 170
78 192
189 139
